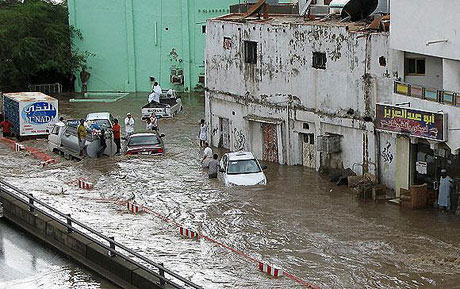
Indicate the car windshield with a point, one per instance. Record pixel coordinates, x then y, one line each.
103 123
243 167
142 140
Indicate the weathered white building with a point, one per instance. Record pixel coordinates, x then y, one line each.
296 91
413 148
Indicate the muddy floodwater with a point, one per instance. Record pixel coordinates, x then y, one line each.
299 221
26 263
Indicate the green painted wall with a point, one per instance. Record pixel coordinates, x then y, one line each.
133 39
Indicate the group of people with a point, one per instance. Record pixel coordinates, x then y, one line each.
82 133
209 159
151 124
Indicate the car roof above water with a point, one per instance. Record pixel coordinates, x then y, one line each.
235 156
144 134
98 115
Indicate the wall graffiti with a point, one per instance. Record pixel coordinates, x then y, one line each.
239 140
387 155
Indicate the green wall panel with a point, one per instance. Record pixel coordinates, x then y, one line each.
133 39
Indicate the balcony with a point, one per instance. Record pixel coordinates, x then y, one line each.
431 94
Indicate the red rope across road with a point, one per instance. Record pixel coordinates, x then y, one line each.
167 220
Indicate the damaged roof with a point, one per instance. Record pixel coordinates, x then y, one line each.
290 19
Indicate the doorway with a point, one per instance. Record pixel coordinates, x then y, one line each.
224 129
270 142
308 150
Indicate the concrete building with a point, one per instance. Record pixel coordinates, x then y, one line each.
132 40
419 121
296 91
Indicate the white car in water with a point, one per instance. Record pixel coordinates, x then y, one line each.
242 169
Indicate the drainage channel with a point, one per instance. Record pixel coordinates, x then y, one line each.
114 248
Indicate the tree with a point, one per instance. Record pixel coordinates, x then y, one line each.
36 44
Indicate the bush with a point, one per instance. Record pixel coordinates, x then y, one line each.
36 44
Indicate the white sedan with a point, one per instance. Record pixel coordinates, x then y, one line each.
242 169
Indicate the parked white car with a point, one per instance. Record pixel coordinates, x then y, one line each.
242 169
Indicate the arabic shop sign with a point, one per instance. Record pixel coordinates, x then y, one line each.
39 113
412 122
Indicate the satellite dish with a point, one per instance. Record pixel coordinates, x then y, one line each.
359 9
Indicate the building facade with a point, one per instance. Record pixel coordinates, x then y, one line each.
419 125
131 40
296 92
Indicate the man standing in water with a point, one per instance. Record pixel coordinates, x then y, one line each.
103 144
445 185
213 167
207 156
116 128
203 133
81 134
129 124
84 77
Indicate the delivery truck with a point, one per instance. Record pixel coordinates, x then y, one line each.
32 113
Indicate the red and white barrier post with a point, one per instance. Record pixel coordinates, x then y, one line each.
18 147
270 270
186 233
47 162
134 208
83 184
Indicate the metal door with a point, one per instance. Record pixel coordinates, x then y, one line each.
270 145
308 150
224 128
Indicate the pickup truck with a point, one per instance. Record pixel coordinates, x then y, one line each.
63 137
170 105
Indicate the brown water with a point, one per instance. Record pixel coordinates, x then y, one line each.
299 221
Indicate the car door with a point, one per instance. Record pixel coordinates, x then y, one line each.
53 137
70 140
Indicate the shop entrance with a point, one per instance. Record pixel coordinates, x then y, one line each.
402 164
427 164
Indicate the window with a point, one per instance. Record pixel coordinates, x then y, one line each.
228 43
250 52
55 130
203 29
415 66
143 140
243 167
319 60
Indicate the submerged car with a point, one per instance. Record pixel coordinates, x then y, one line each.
242 169
100 119
170 105
63 139
147 143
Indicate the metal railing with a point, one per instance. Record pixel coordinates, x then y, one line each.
432 94
46 88
69 223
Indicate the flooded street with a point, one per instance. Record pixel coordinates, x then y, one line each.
299 222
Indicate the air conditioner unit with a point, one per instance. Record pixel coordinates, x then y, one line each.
329 144
319 10
177 76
